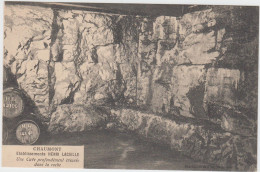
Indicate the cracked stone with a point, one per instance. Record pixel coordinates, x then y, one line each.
66 81
34 82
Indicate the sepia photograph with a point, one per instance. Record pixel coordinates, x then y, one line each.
130 86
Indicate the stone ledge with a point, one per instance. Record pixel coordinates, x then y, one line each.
76 118
196 140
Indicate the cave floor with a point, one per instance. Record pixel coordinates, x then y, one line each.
110 150
113 150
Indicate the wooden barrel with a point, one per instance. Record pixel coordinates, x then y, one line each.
27 132
13 104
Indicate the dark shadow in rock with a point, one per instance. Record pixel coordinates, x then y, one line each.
11 80
196 96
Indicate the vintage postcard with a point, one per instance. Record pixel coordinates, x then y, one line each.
130 86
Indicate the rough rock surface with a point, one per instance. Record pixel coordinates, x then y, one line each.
202 141
27 50
242 122
34 80
120 59
172 57
76 118
221 85
184 78
196 140
189 66
66 81
222 104
198 43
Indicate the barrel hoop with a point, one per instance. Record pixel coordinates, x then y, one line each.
27 132
11 109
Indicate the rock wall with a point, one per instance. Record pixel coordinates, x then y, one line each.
70 56
158 63
174 67
27 39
